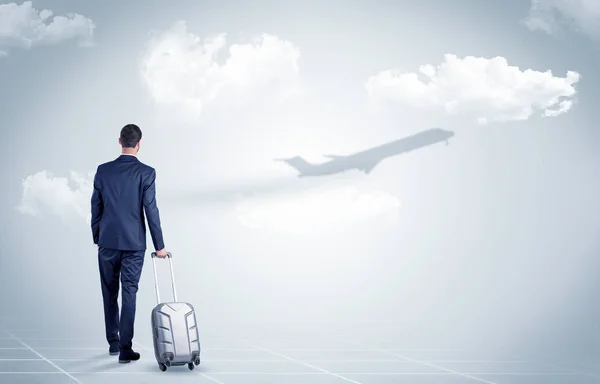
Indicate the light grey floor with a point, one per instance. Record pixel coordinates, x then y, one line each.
38 356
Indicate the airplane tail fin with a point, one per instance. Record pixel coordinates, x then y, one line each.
297 163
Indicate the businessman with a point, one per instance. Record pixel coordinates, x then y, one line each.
123 189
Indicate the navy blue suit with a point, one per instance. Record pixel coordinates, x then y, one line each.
123 190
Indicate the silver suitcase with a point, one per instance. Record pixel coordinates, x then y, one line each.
174 328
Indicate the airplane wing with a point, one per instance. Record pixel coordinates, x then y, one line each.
368 167
334 157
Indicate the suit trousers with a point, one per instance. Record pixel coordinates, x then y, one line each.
127 265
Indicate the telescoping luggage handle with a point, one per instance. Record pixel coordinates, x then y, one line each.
156 277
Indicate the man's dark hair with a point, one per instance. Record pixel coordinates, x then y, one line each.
131 134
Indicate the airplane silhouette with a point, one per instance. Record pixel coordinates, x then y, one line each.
366 160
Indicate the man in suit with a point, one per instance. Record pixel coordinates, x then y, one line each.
123 189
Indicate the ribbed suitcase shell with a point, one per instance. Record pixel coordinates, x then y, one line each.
175 333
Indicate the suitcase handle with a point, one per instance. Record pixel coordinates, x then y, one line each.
153 254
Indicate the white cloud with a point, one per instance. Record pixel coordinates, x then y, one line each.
62 197
312 211
23 26
551 15
181 68
488 90
317 210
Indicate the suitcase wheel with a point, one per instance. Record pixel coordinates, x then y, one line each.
197 361
162 367
191 366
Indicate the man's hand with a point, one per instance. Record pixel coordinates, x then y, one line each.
162 253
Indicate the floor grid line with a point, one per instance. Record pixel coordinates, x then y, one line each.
214 380
333 359
43 357
402 357
306 364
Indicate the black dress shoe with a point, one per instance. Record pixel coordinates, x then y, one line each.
128 355
113 350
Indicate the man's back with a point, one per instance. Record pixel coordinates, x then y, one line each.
123 190
127 188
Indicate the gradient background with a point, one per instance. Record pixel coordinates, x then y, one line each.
496 239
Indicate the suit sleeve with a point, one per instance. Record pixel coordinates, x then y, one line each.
152 213
97 209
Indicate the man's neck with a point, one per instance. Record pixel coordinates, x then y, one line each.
128 153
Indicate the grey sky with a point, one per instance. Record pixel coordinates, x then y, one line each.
496 232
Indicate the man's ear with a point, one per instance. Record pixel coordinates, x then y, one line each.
120 143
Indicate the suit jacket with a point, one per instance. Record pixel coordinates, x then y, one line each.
123 189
